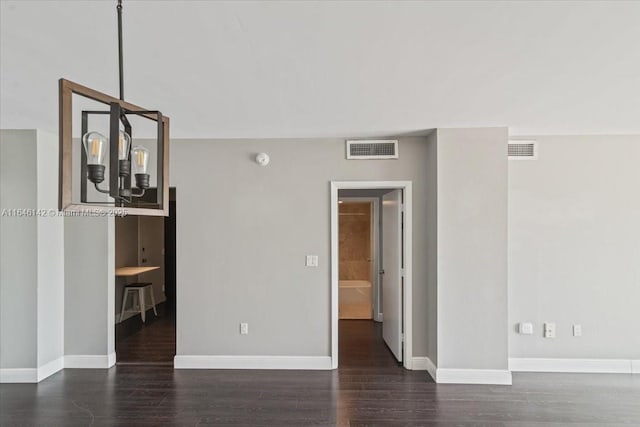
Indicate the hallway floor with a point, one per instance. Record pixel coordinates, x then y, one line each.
369 389
360 345
153 343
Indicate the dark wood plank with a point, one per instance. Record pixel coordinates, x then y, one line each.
369 389
153 342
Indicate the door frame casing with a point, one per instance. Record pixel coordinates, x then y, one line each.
406 187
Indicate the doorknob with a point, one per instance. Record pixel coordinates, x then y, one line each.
381 271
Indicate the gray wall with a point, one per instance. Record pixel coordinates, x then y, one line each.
574 247
472 248
243 232
89 285
18 250
31 251
151 249
126 241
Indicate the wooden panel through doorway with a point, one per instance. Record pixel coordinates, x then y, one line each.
355 258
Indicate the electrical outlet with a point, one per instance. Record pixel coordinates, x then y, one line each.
244 328
549 330
577 330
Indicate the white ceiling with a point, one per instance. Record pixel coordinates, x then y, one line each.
315 69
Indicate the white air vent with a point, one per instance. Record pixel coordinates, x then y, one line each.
372 149
523 150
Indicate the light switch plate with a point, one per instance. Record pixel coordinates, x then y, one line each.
577 330
525 328
311 261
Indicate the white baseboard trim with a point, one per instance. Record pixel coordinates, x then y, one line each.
90 361
461 376
18 375
596 366
31 375
252 362
473 376
420 363
424 364
48 369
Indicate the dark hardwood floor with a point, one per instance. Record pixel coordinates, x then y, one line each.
369 389
151 343
360 346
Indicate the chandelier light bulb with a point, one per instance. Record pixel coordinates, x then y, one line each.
95 146
140 160
140 164
124 142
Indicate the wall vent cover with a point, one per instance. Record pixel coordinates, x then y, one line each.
372 149
523 150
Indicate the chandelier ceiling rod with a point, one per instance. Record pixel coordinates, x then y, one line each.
119 7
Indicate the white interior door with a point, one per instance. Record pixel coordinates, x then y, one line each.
392 268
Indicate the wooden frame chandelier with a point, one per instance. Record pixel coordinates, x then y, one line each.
108 172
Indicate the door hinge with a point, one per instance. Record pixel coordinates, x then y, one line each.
402 337
402 272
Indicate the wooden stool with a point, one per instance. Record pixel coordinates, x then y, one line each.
137 290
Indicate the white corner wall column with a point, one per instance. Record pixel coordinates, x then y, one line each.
31 258
89 292
57 273
472 298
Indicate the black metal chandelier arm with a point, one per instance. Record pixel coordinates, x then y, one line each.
100 189
133 194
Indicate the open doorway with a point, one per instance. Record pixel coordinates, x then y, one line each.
371 273
359 298
146 287
358 230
